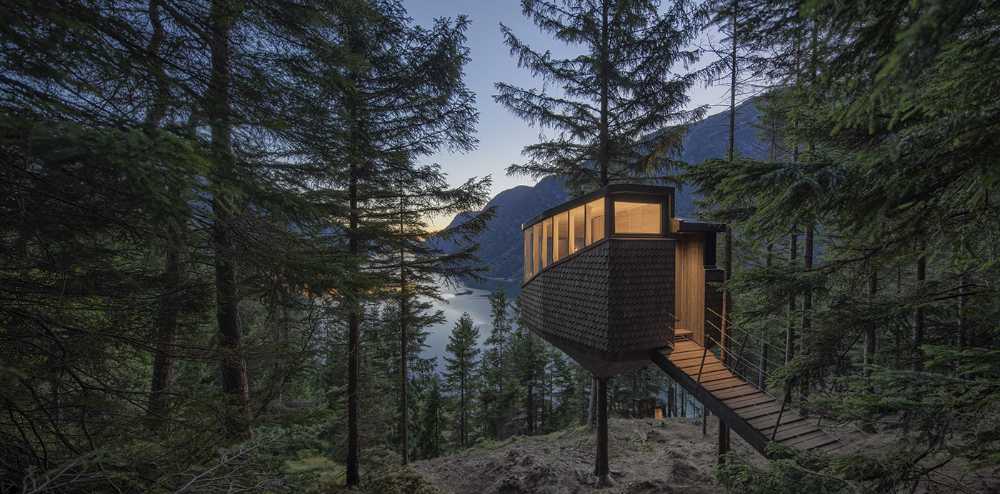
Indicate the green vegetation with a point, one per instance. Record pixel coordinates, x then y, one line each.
216 273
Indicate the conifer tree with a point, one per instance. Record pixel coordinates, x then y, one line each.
391 94
618 91
430 438
496 395
460 367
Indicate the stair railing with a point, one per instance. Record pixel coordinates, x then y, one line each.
735 360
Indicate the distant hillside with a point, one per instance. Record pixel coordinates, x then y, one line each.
500 243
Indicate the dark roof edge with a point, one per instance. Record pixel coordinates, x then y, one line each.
690 226
608 190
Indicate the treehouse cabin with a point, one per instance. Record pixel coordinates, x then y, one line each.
613 275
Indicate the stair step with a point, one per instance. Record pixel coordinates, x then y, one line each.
792 430
722 384
743 390
758 411
692 370
809 441
707 377
766 424
684 354
748 401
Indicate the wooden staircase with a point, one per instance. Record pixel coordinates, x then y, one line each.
755 415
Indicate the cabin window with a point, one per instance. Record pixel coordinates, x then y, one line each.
546 242
638 217
577 229
561 231
595 221
536 251
527 254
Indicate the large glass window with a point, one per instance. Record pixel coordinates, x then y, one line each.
536 251
527 254
637 217
561 232
546 242
577 229
595 220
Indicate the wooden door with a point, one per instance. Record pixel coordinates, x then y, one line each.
690 287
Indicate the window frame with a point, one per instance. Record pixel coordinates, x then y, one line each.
543 226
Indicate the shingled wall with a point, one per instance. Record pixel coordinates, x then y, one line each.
615 297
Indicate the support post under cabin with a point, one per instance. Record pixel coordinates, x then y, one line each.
601 469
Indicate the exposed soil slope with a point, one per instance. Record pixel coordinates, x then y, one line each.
646 456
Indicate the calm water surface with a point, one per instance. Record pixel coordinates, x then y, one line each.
457 300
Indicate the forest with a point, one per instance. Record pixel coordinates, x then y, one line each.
220 262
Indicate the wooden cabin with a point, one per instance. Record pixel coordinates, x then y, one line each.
613 275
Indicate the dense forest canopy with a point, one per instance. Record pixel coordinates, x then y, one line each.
215 273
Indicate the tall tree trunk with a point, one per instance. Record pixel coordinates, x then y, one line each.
727 294
404 380
604 137
166 334
166 320
461 419
404 321
530 406
234 377
354 340
790 331
871 344
918 323
806 305
733 66
592 405
963 299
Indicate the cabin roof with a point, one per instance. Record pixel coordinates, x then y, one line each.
683 225
608 190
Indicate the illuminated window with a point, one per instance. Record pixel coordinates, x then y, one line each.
577 229
561 240
637 217
595 221
527 254
536 250
546 242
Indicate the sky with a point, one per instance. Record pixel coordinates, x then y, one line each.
502 135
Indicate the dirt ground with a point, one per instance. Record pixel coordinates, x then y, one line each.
646 456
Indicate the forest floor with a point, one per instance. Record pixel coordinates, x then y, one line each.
646 456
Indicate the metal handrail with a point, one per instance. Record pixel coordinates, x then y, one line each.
729 352
732 328
732 367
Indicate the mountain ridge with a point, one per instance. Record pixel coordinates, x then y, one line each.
500 242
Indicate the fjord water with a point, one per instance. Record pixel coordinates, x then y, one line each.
459 299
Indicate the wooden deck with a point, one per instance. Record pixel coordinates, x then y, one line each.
747 410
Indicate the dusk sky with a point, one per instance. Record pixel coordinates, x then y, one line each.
501 134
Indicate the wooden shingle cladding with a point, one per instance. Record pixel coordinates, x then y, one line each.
608 305
624 274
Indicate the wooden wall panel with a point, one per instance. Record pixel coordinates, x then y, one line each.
690 286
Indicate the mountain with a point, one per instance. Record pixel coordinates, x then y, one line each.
500 243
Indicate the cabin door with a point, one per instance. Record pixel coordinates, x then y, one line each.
689 298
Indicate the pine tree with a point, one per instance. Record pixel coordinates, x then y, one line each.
430 438
495 368
618 92
390 94
460 367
